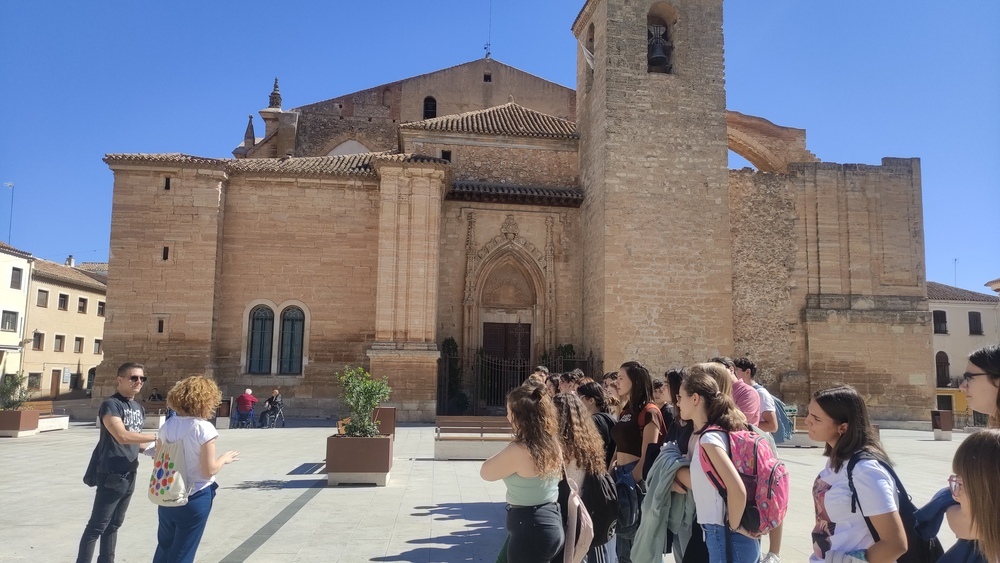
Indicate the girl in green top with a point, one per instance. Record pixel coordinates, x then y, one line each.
531 468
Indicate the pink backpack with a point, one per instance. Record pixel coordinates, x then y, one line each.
763 474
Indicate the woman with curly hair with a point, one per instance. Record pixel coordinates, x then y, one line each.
181 527
531 467
583 452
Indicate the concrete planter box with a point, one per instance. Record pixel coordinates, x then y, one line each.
15 424
385 419
358 460
49 422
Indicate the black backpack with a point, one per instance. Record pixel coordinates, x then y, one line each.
919 550
600 497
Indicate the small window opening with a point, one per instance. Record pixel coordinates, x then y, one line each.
166 183
446 155
166 252
430 107
159 326
487 77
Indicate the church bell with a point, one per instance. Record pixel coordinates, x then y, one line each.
657 54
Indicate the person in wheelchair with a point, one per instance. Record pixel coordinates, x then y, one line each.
271 408
244 408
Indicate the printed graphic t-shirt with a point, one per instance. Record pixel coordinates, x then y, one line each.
112 456
839 530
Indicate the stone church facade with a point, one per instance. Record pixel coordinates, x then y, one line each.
368 228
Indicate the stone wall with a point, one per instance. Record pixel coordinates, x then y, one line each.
537 162
144 289
654 169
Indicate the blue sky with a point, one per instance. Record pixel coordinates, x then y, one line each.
865 79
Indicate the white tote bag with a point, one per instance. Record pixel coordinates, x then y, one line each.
167 486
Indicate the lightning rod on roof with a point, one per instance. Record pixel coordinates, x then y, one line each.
489 31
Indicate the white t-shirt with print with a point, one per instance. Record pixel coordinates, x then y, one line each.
708 503
837 528
195 432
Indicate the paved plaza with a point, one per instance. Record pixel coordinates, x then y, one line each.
273 505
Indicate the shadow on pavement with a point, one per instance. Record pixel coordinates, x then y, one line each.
277 484
480 541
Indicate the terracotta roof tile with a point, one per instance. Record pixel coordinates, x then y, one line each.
66 274
92 266
341 165
17 251
941 292
558 196
508 119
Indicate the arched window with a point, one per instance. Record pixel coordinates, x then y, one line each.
387 97
943 371
430 107
660 38
261 336
293 322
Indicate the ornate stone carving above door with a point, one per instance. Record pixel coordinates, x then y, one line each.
508 287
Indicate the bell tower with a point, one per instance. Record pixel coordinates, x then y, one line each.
651 106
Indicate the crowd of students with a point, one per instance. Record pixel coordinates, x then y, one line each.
668 444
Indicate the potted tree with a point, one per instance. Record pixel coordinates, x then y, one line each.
361 454
15 422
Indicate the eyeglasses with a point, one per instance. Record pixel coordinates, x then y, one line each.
967 376
135 378
955 483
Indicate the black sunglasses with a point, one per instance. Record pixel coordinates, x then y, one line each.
967 376
135 378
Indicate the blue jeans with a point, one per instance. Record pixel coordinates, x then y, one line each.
114 491
743 549
181 527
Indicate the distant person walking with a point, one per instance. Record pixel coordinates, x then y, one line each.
181 527
114 463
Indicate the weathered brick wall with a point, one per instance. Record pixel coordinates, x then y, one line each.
662 188
766 303
143 288
319 133
318 247
527 162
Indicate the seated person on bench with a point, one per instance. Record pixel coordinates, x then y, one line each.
244 405
155 395
271 407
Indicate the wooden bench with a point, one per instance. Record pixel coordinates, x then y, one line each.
48 418
470 437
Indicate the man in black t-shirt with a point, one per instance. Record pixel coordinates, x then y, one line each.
114 463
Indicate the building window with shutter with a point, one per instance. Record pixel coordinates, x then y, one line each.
940 322
975 322
943 369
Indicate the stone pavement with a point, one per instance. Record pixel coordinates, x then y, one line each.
273 505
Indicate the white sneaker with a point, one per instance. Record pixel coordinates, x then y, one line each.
770 558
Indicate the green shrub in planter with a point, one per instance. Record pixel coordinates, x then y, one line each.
13 394
362 394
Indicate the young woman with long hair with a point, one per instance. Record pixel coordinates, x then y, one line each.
595 400
981 385
181 527
976 487
531 467
704 404
640 425
839 418
583 451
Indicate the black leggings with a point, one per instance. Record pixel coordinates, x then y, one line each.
536 533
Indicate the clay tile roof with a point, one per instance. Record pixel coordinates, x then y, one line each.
941 292
558 196
16 251
66 274
992 282
168 157
508 119
341 165
92 266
